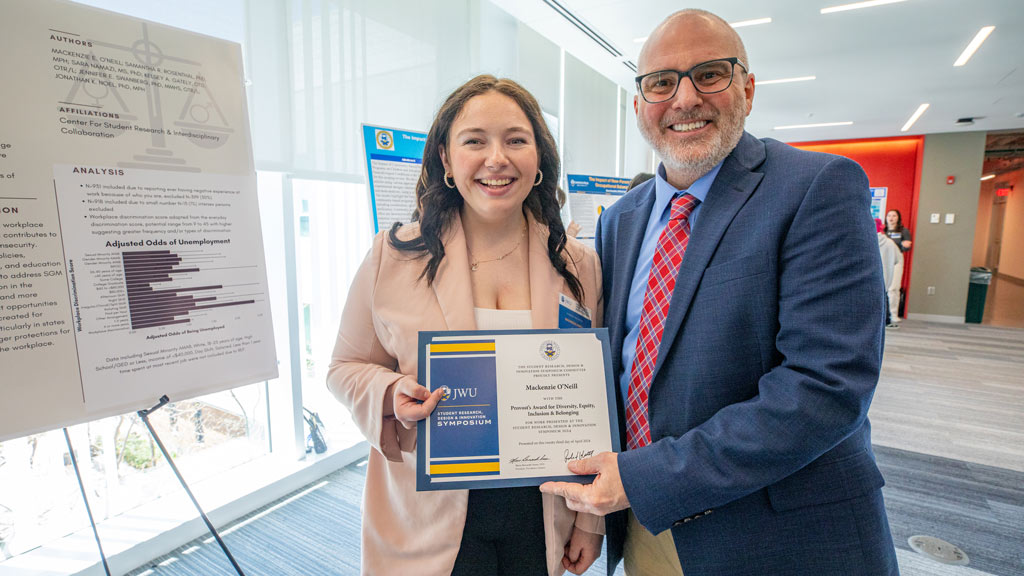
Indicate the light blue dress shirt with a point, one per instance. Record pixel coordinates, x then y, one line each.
664 192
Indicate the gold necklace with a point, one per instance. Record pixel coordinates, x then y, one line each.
476 262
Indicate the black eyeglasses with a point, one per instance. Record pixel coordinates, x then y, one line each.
708 77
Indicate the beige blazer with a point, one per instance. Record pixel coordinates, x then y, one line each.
404 531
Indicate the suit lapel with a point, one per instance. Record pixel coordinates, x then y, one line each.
545 281
452 285
629 235
735 183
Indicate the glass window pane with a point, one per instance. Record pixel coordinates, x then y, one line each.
327 256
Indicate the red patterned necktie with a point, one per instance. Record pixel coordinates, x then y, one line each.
662 279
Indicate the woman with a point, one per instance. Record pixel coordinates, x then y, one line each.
895 229
899 234
486 250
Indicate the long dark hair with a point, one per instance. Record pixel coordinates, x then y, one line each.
899 221
437 205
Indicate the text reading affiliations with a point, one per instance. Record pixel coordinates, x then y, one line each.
86 112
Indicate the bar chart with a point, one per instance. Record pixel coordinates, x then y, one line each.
166 288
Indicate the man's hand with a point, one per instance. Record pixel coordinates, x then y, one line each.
581 551
604 496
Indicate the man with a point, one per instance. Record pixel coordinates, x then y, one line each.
745 372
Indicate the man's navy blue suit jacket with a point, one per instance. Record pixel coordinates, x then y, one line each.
761 460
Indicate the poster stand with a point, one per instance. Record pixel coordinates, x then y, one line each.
144 414
81 486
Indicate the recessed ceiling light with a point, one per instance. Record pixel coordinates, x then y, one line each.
913 118
987 177
856 5
819 125
640 40
784 80
753 22
974 45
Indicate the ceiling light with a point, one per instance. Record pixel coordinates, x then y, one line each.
974 45
819 125
784 80
640 40
856 5
913 118
987 177
753 22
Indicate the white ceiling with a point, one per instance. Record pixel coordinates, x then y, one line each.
874 66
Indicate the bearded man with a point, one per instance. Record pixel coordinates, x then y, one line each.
743 295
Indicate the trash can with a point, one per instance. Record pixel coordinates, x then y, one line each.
980 279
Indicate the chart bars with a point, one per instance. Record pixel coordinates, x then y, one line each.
148 307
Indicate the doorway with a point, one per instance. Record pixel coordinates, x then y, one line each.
999 236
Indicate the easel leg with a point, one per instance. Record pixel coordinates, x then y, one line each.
88 509
144 414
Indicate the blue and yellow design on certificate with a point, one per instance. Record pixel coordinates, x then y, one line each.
516 406
464 427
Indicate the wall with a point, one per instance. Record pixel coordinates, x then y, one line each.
539 68
589 108
942 252
637 155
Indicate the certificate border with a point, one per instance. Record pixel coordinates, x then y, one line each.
423 482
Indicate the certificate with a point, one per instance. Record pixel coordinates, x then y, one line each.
517 406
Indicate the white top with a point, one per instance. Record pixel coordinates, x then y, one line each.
491 319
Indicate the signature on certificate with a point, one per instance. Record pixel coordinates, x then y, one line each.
541 458
577 454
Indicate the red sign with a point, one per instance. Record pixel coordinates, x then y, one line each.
1002 191
950 179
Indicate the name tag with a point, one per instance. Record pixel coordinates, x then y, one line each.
572 314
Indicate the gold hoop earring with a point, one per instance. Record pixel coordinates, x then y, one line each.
540 178
452 185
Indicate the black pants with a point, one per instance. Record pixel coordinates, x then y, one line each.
504 534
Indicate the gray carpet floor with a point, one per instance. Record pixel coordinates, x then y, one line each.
949 438
315 531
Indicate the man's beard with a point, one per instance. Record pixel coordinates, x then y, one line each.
696 159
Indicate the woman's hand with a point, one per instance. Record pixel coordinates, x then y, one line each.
906 244
411 402
581 551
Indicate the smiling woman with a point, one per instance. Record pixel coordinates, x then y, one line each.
496 256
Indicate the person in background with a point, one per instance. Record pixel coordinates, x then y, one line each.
573 229
895 229
485 250
892 260
639 179
743 303
899 234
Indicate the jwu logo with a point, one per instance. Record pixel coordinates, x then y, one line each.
457 393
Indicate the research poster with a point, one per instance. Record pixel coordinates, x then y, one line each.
393 161
131 257
589 196
878 198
